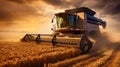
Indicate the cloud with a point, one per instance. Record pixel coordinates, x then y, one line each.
108 6
22 1
64 3
10 11
18 8
58 3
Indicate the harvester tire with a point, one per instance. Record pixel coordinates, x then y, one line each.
85 44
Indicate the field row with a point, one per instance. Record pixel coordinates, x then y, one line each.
106 57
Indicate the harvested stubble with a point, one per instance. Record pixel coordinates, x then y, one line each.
78 61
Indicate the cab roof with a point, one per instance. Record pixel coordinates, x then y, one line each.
62 14
81 9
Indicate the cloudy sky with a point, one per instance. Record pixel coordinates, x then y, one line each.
35 16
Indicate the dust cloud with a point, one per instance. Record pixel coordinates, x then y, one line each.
107 41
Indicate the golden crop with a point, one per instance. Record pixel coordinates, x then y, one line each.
45 55
32 55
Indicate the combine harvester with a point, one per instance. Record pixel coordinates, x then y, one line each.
73 27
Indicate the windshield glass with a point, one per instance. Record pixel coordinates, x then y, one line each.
65 21
62 23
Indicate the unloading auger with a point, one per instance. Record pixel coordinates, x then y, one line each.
74 26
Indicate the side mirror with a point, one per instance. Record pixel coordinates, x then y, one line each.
51 28
52 21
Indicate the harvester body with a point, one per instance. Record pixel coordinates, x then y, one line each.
77 24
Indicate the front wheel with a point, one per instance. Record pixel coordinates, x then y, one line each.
85 44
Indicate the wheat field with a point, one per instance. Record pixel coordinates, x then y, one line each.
18 54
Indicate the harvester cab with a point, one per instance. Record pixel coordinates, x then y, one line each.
77 21
77 24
